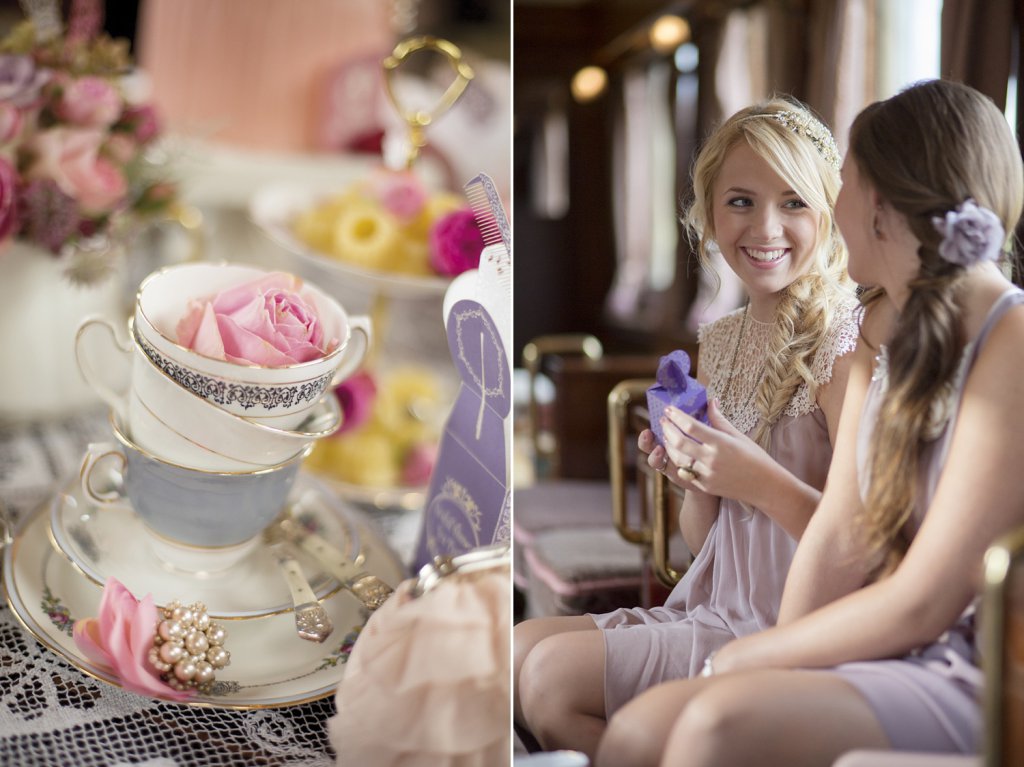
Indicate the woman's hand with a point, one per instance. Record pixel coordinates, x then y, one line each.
716 459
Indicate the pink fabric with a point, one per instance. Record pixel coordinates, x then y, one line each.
427 683
252 73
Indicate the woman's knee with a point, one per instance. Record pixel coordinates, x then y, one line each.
541 668
710 728
628 740
562 673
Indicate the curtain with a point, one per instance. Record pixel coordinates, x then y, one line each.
840 62
978 49
977 43
644 191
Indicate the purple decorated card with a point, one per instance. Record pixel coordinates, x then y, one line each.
468 497
676 387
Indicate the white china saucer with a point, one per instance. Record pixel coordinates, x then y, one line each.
270 665
273 207
103 541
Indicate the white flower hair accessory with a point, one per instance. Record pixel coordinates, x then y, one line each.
970 234
805 124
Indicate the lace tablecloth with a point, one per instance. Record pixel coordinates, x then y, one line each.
52 714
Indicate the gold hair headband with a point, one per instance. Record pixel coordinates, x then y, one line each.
804 124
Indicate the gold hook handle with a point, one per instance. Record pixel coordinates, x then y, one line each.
620 399
419 119
534 352
663 570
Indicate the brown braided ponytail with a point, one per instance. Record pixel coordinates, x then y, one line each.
924 168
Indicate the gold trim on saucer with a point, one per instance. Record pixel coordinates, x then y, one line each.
38 583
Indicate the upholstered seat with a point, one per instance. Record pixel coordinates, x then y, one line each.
570 510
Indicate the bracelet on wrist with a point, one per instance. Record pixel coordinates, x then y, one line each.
709 669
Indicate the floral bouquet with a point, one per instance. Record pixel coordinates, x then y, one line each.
75 175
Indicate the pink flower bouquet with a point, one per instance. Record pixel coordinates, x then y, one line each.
74 169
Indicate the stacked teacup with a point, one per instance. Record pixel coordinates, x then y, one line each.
232 369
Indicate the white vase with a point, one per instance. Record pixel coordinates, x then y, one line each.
39 314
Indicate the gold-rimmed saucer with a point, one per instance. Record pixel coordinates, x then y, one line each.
270 665
111 540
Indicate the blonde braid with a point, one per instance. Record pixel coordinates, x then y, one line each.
803 316
807 307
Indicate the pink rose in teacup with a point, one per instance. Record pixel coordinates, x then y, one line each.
120 638
265 322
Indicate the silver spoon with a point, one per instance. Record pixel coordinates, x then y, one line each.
311 619
367 588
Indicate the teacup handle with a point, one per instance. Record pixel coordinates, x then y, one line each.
358 347
116 400
95 453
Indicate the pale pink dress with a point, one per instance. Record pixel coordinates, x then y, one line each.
928 700
734 585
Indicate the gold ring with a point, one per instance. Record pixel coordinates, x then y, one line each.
687 474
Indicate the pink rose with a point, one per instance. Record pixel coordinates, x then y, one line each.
400 193
265 322
356 395
121 148
419 463
120 639
8 196
143 122
70 156
455 243
10 122
90 102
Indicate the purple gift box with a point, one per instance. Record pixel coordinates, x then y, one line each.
675 387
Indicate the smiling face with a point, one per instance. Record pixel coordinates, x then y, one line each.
765 231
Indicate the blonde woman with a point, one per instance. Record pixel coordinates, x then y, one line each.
765 184
875 646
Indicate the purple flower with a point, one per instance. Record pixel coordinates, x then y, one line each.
49 216
970 234
455 243
20 80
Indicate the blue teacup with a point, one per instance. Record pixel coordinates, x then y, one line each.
193 512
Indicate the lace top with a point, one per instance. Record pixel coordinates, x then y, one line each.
718 345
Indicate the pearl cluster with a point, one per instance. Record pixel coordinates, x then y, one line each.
188 647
